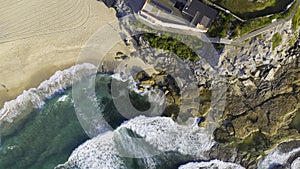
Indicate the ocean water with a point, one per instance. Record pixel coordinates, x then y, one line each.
48 137
53 133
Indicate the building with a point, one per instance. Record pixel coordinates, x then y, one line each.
199 14
184 12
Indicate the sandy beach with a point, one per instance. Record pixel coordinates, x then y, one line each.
39 37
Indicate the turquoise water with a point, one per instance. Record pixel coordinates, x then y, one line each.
46 139
50 135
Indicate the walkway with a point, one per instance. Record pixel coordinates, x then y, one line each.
181 29
271 26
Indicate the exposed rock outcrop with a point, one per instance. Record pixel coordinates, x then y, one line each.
262 97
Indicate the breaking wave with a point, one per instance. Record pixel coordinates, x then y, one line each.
285 155
211 164
16 111
143 142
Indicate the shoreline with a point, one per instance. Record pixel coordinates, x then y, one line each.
26 63
14 112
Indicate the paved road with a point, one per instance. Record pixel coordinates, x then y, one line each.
264 29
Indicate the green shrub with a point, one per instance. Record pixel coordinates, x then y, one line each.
172 45
296 20
276 39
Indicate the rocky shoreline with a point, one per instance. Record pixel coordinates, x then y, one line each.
261 94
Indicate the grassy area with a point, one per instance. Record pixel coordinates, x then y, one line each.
249 26
248 10
296 20
172 45
276 40
225 23
220 26
292 41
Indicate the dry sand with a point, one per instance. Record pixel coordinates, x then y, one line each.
39 37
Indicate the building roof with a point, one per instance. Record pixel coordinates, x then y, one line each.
198 13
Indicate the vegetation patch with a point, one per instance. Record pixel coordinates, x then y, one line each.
167 43
296 20
249 10
276 40
226 25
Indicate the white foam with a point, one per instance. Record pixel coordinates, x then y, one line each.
17 110
296 163
211 164
166 135
277 157
160 134
98 153
62 98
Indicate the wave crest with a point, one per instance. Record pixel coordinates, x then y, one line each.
16 111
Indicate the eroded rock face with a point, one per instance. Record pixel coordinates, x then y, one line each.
167 85
262 96
268 105
260 113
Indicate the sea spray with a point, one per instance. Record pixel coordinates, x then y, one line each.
168 140
283 155
104 154
211 164
121 88
16 111
93 93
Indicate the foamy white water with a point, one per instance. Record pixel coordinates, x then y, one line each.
211 164
62 98
97 153
278 157
15 111
296 163
156 135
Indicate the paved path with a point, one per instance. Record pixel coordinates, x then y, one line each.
273 25
156 24
181 29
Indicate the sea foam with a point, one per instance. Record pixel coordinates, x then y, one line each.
16 111
145 138
281 155
211 164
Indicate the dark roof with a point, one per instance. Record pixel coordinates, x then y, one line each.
197 12
109 3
